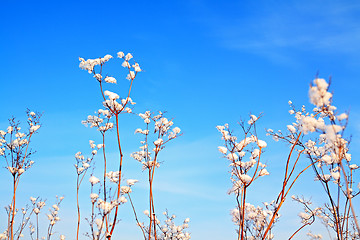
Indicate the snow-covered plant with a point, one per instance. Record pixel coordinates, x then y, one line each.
148 156
110 191
168 230
82 165
245 163
14 148
314 236
322 141
307 216
53 217
106 216
319 135
256 220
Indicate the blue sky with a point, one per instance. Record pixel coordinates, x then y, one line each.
205 62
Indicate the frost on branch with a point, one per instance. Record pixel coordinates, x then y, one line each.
318 93
90 64
15 149
14 144
319 135
109 191
243 171
244 156
163 133
256 219
168 229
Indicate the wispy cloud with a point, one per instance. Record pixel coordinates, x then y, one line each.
276 30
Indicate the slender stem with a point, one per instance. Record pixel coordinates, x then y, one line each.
243 214
333 206
136 218
104 155
239 208
78 207
150 202
37 226
13 209
104 177
298 230
287 164
120 168
152 196
283 195
349 197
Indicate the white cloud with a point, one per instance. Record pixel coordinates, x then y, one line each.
275 31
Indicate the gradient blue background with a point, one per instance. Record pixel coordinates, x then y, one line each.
205 62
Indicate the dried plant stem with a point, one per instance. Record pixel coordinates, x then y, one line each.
13 208
105 168
242 220
104 179
120 153
136 218
239 207
120 168
151 202
348 194
306 223
16 178
78 207
283 195
37 226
